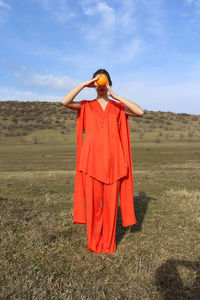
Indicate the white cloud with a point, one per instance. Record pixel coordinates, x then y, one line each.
101 8
126 19
45 82
4 11
59 10
107 14
50 5
14 94
7 93
111 25
4 5
196 3
102 31
120 16
189 1
117 24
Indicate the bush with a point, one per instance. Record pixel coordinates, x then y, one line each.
35 140
157 140
194 118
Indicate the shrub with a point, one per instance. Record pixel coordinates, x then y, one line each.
157 140
35 140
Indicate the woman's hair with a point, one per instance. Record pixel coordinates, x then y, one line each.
103 71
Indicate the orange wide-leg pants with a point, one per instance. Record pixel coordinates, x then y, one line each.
101 211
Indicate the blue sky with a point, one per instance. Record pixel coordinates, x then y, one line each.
151 48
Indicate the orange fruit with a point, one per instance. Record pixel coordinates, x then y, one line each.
102 80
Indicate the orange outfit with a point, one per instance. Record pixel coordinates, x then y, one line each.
103 169
98 216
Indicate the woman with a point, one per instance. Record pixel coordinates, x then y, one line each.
103 163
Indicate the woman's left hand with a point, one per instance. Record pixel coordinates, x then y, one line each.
130 107
112 94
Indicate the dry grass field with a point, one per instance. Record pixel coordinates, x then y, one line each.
43 255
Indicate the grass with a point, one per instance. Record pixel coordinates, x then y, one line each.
43 255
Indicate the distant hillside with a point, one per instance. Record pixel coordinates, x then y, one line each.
35 121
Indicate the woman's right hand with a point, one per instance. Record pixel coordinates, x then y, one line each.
91 83
67 100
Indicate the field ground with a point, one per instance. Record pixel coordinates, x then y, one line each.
44 255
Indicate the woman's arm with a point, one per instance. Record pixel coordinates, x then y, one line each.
131 108
69 97
66 101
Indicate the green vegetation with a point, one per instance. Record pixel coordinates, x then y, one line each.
43 255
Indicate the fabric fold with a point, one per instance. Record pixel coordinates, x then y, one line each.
126 190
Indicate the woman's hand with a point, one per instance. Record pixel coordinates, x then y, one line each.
91 83
67 100
112 94
130 107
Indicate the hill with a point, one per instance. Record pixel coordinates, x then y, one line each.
41 122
